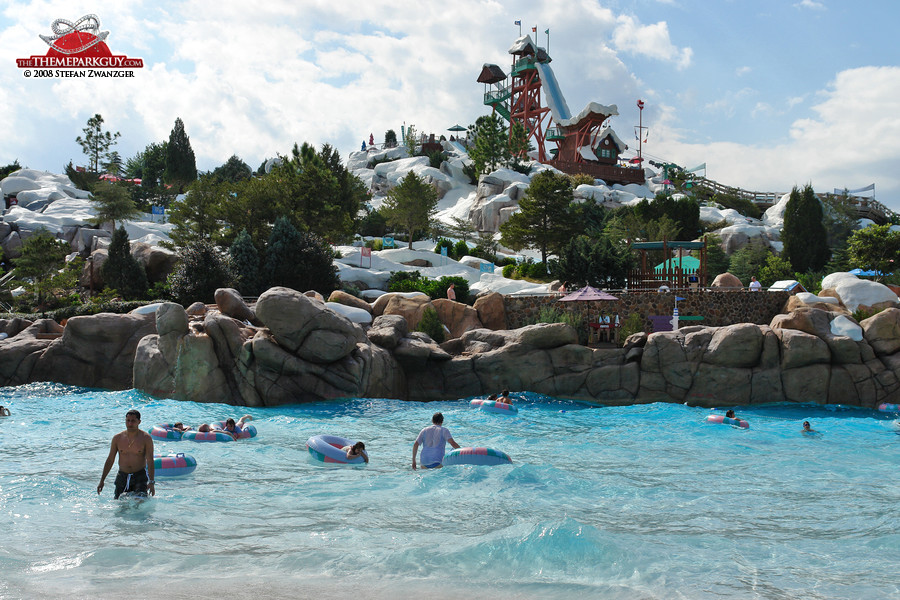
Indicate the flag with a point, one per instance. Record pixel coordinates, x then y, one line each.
677 298
640 104
534 29
547 31
517 23
701 167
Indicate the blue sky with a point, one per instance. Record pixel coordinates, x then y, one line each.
769 94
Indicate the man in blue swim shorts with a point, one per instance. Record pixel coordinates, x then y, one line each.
135 451
433 440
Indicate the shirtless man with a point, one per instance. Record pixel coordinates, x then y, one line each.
135 450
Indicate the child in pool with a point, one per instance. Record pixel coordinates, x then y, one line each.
356 450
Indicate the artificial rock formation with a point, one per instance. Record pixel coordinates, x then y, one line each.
293 349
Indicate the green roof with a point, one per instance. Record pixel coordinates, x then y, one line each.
659 245
688 264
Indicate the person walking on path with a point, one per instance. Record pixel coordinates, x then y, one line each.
135 450
434 440
451 292
755 286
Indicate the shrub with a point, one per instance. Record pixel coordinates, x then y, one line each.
551 314
861 314
509 270
435 159
201 270
537 270
631 325
581 179
431 325
460 249
444 243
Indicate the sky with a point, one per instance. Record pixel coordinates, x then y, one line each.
769 94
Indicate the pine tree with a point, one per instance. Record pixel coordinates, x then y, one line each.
96 142
804 235
112 202
122 271
491 149
544 220
245 263
201 270
181 166
42 255
410 205
300 261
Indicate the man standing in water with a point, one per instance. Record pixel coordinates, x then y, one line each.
135 450
433 440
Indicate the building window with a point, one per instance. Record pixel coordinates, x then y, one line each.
605 153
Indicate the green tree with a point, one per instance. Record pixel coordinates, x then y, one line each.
804 236
876 248
411 140
96 142
112 202
543 220
246 264
113 164
195 217
717 262
775 269
748 261
390 139
596 262
10 168
200 271
42 255
683 212
181 166
410 205
122 271
491 148
233 170
300 261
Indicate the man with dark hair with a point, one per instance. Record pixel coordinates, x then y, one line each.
433 440
135 450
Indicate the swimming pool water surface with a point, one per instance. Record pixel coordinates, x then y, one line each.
646 501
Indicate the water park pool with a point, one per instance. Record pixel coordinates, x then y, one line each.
647 501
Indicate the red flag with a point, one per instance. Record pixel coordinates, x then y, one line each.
534 29
640 104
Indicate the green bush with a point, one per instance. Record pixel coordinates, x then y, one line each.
631 325
537 270
431 325
551 314
509 271
444 243
460 249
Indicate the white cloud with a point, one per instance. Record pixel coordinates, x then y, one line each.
649 40
740 71
850 139
811 4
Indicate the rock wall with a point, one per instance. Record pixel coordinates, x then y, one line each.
718 308
298 351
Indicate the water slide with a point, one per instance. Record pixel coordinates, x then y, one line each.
559 110
459 147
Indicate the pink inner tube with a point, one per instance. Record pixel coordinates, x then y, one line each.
723 420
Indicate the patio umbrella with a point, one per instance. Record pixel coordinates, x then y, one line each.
457 127
587 293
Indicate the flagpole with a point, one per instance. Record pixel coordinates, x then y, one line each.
548 40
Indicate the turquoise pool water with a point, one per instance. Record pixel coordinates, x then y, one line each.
631 502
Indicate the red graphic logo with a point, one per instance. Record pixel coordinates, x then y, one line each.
78 45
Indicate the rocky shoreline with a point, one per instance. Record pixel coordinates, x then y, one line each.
290 348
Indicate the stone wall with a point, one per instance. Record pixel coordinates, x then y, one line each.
718 308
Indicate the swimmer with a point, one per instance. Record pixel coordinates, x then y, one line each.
433 440
807 428
729 414
356 450
135 451
504 397
4 412
179 426
231 428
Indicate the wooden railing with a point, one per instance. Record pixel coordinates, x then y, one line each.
608 173
866 208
